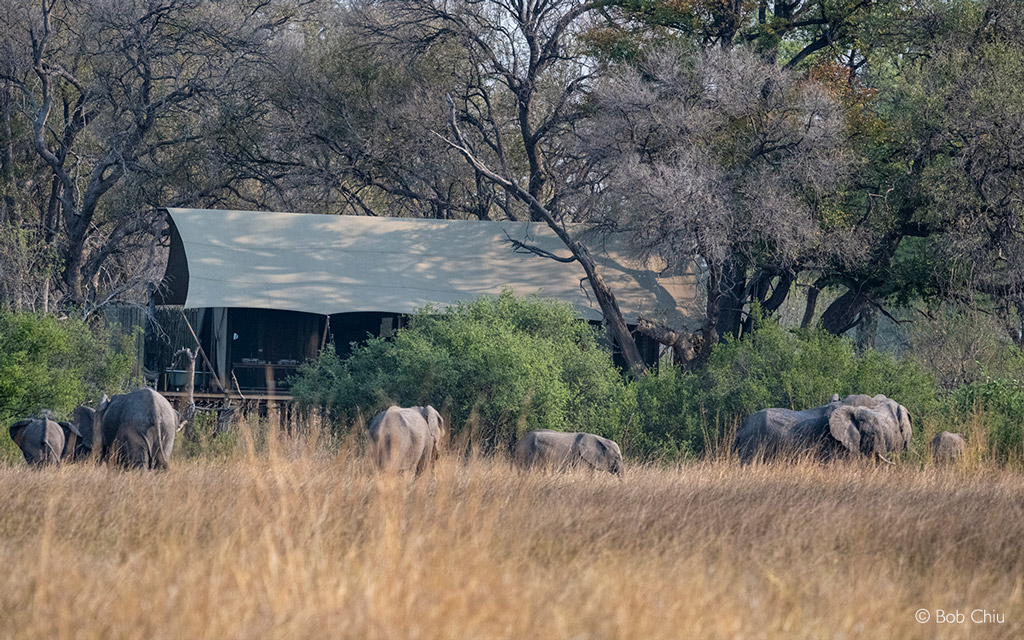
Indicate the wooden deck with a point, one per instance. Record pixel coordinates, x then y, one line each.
206 397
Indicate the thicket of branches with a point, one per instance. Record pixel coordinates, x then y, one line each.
864 153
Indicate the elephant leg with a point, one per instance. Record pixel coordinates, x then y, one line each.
117 452
423 462
141 459
137 457
159 459
131 454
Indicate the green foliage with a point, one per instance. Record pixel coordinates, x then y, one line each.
55 363
507 365
499 366
999 405
200 438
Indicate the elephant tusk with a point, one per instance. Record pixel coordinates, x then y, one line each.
885 460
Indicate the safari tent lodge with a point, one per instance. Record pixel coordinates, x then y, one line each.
264 292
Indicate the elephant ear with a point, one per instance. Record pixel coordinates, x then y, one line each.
906 425
85 418
71 439
18 430
864 430
842 424
434 421
69 427
435 425
103 403
591 450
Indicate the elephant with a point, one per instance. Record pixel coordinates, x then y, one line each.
893 409
137 428
857 424
406 439
85 418
44 440
947 447
562 450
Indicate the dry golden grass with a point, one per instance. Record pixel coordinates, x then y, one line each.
298 542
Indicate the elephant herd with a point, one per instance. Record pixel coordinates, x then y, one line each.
858 425
137 430
872 426
411 440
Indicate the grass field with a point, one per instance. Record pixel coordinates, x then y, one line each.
300 542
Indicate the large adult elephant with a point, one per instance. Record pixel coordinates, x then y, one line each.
406 439
44 440
137 429
859 425
564 450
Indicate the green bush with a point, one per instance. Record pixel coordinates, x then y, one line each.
201 438
499 366
999 405
55 363
507 365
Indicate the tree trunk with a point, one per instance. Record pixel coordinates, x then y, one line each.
812 304
779 294
843 314
708 330
867 329
730 304
610 308
683 351
73 270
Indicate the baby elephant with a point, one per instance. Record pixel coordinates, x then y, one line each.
947 447
406 439
558 450
43 440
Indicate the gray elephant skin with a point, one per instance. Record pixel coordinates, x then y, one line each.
947 447
406 439
43 440
137 429
85 418
857 424
561 450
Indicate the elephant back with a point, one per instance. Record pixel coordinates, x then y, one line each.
142 421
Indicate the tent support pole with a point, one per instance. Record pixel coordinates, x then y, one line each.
199 346
327 326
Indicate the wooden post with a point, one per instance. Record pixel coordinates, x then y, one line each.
199 346
189 409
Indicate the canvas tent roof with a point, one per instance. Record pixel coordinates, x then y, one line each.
330 264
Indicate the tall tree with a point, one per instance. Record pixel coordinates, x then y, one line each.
720 158
512 121
790 32
938 196
126 103
354 129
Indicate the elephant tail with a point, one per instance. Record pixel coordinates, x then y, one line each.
53 452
